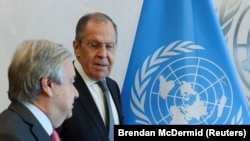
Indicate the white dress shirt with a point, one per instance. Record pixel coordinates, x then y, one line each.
95 91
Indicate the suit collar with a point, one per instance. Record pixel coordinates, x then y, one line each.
88 81
30 119
40 116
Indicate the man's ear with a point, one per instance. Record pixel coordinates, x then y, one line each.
76 46
46 85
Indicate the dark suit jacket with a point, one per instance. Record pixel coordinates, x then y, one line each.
17 123
86 124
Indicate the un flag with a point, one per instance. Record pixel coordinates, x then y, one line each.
180 70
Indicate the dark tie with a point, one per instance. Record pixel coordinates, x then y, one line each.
55 136
110 118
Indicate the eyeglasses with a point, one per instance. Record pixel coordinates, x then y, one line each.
97 45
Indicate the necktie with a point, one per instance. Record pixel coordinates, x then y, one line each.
105 90
55 136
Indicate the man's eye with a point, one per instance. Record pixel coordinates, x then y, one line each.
110 45
95 45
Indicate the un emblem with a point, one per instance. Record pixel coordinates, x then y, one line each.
234 20
241 49
184 90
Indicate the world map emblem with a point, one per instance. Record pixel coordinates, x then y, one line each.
185 90
236 32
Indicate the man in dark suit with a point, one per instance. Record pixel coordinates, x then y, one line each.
94 47
41 91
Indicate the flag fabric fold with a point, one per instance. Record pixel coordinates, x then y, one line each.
180 70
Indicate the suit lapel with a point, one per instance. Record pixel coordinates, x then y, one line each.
87 103
115 91
36 128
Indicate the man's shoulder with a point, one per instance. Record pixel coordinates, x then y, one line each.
111 80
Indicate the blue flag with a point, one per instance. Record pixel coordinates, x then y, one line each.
180 70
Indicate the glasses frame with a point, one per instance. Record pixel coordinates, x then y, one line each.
96 45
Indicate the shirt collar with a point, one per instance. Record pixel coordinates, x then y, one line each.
86 79
40 116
